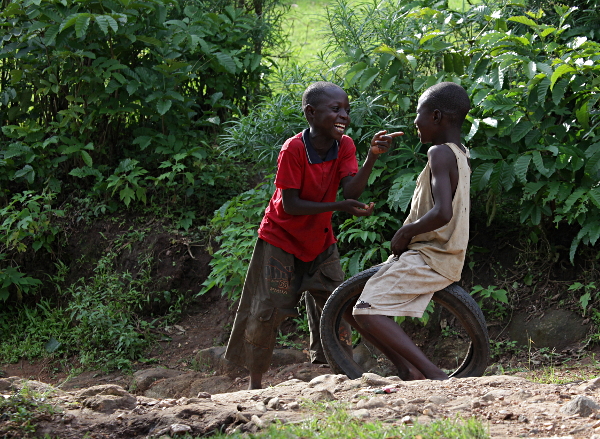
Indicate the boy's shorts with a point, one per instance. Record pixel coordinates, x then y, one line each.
273 287
403 288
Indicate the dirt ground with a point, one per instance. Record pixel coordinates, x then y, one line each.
512 406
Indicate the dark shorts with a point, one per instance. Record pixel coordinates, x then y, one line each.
273 287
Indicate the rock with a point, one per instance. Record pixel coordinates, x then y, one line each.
274 404
371 403
293 405
410 409
361 413
316 395
558 328
109 403
329 382
365 356
4 385
589 386
374 380
188 385
103 389
429 409
143 379
580 405
257 421
261 407
437 399
176 429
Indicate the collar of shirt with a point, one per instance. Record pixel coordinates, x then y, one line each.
312 155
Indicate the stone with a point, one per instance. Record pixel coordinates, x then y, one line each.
329 382
365 356
318 395
257 421
437 399
143 379
371 403
176 429
188 385
374 380
109 403
557 328
580 405
274 404
360 413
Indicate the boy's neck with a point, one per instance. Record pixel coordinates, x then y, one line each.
321 144
449 136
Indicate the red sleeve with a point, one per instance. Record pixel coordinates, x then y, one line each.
290 165
347 156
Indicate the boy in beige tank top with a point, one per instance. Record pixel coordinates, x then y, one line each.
433 240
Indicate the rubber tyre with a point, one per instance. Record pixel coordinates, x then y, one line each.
453 298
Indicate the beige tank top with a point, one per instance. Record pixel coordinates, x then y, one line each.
444 249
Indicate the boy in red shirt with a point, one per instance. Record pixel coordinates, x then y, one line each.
296 250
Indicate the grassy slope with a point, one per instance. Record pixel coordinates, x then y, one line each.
306 23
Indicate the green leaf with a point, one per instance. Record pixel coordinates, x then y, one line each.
87 158
539 164
81 25
149 40
368 77
582 113
50 34
481 176
68 22
102 23
560 71
485 153
163 106
524 20
522 128
520 167
226 61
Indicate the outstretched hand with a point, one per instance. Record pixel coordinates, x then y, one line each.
382 141
357 208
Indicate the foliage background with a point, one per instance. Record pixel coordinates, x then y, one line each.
178 108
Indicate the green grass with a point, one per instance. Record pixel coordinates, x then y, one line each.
306 24
334 421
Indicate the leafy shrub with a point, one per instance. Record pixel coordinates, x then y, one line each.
236 224
533 87
124 97
27 221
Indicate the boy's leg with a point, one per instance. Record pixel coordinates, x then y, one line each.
320 278
313 313
402 288
398 347
267 299
406 370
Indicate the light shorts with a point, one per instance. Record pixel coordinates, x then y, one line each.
403 288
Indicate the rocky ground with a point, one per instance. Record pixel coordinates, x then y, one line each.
511 406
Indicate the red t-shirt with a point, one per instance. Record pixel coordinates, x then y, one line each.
300 167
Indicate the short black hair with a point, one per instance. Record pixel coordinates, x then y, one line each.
314 93
448 97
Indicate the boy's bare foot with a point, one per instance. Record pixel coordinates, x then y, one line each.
255 381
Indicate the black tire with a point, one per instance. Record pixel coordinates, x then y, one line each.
468 326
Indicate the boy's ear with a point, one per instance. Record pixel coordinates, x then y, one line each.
437 116
309 111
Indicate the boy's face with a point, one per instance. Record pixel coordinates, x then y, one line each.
425 122
331 117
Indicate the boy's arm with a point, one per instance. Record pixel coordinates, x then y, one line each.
353 187
294 205
442 162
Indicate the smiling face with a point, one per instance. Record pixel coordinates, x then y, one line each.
330 117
